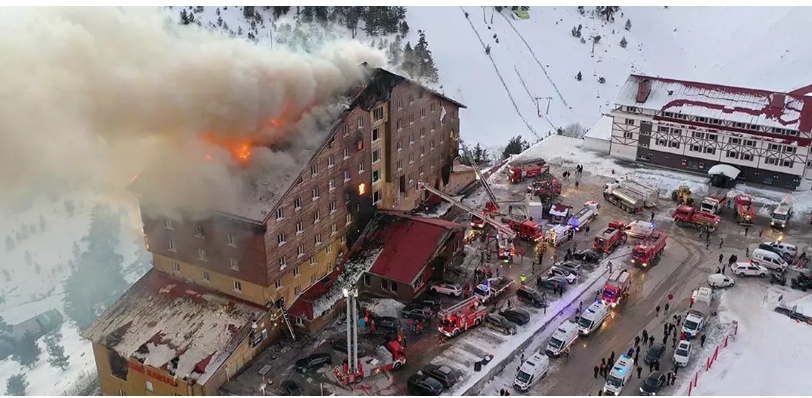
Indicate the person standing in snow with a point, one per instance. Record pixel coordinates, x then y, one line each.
666 309
702 340
721 258
576 184
595 370
645 335
657 310
650 340
639 371
721 242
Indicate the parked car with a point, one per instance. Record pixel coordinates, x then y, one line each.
449 289
570 266
588 256
531 296
719 280
516 315
652 384
553 282
654 353
748 269
682 354
444 374
290 388
423 384
500 323
386 324
786 250
433 303
417 311
571 276
314 361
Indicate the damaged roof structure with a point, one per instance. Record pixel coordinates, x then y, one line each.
168 324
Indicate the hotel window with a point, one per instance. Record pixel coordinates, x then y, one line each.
376 135
332 206
280 239
277 284
331 161
331 185
630 122
712 137
167 223
433 125
771 161
328 248
316 216
280 213
237 286
734 141
346 153
399 124
662 129
312 260
411 138
360 167
732 154
283 262
297 204
676 131
628 135
297 290
662 142
422 132
300 251
710 150
348 219
774 147
199 231
400 145
314 169
422 151
175 266
376 156
345 130
400 104
411 98
377 114
422 112
809 164
360 123
433 106
346 175
299 227
751 143
234 264
201 254
376 176
343 239
399 165
790 149
673 144
376 196
315 193
420 170
698 135
206 276
230 240
317 239
696 148
431 145
786 163
296 272
333 229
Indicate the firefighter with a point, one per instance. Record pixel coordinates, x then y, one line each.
466 290
523 279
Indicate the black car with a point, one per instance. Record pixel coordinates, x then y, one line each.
313 361
433 303
386 324
553 282
500 323
516 315
290 388
445 375
531 296
653 382
654 353
422 384
417 311
587 256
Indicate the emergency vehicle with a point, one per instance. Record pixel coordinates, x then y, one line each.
714 203
386 358
525 229
559 234
462 316
781 215
617 287
610 237
650 249
687 216
745 210
584 216
518 171
559 213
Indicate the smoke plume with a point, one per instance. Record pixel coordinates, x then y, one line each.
92 97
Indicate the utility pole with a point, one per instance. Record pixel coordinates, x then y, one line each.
593 47
492 11
352 331
484 20
538 107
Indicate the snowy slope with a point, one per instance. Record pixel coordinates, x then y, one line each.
670 42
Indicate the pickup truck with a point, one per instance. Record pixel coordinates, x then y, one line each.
492 288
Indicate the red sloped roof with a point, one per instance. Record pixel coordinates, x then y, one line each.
409 245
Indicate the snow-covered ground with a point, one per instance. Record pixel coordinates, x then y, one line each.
770 353
31 289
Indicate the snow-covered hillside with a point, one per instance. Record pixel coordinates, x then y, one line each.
539 58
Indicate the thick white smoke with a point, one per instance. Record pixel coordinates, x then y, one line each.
93 96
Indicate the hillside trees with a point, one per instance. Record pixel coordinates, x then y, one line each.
16 385
56 352
4 326
480 154
418 62
515 146
96 279
27 351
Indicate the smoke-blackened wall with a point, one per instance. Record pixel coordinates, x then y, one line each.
93 96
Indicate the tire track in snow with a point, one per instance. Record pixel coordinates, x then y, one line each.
515 106
537 60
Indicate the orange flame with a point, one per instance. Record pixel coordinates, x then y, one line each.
239 150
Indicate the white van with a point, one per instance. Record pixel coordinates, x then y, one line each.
619 375
592 318
702 295
719 280
562 339
531 371
769 260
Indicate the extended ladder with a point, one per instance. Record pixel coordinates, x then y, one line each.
500 227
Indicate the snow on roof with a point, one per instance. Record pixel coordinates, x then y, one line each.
559 210
725 170
461 168
737 104
160 318
353 269
602 129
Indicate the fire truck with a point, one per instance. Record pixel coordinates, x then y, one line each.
462 316
386 358
547 187
649 251
525 229
714 204
520 170
687 216
617 287
584 216
745 210
610 237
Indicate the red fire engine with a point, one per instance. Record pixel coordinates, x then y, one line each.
610 237
650 249
462 316
525 229
387 357
617 287
687 216
745 210
519 171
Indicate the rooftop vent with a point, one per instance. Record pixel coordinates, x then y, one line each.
643 90
777 101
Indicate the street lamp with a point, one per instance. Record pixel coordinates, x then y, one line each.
352 329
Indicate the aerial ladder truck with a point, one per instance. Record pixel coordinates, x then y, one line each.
492 207
504 234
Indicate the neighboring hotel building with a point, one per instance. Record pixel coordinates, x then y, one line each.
694 126
220 288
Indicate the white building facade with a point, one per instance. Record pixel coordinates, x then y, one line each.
693 126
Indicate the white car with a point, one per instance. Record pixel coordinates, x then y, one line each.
571 276
719 280
786 249
682 354
748 269
449 289
640 229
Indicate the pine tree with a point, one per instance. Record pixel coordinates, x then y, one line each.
351 18
372 20
409 66
424 60
248 12
27 351
628 24
16 385
479 154
219 22
56 353
395 51
403 28
515 146
307 13
218 11
239 31
184 17
320 14
579 76
623 42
